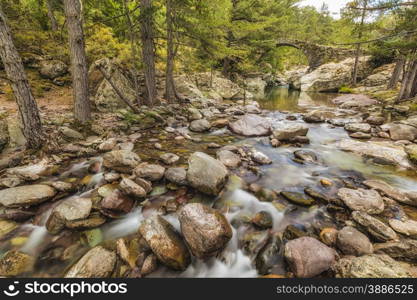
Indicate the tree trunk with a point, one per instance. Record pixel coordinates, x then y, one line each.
134 51
170 92
51 15
395 78
358 47
406 81
82 110
148 49
410 81
28 109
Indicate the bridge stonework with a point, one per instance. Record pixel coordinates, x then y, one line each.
318 55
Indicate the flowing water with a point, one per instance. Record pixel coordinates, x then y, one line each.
285 174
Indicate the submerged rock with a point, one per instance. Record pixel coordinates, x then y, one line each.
308 257
298 198
206 174
306 156
121 160
352 242
15 263
251 125
27 195
165 242
370 266
96 263
368 201
205 230
228 158
260 158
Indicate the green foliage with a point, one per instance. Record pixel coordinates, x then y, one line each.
345 90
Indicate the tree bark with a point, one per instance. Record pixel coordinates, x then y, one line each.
407 80
82 109
148 49
358 46
395 78
51 15
134 50
170 92
28 109
410 81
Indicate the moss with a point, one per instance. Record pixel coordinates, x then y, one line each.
345 90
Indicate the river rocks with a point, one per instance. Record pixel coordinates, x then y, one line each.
116 203
375 120
306 156
298 198
71 133
411 151
108 145
259 157
205 230
200 125
354 101
287 131
386 190
308 257
228 158
407 227
121 160
176 175
352 242
52 69
194 114
402 250
96 263
15 263
401 132
165 242
380 153
131 188
368 201
358 127
29 172
27 195
370 266
318 116
329 236
150 172
169 158
6 226
263 220
377 229
206 174
251 125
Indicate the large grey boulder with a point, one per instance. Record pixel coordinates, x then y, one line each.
206 174
205 230
52 69
287 131
368 201
251 125
352 242
121 160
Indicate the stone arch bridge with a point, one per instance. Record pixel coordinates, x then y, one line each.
318 55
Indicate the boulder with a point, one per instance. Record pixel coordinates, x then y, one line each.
27 195
260 157
358 127
388 191
205 230
352 242
71 133
401 132
121 160
30 172
318 116
305 156
228 158
370 266
150 172
131 188
379 152
402 250
354 101
368 201
96 263
194 114
200 125
52 69
165 243
377 229
176 175
116 203
251 125
379 77
308 257
287 131
206 174
406 227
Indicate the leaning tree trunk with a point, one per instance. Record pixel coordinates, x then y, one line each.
82 110
28 109
410 81
358 46
51 16
148 49
395 78
170 92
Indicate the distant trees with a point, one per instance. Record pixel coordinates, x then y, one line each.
28 109
82 110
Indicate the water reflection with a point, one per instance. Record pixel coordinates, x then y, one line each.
284 99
